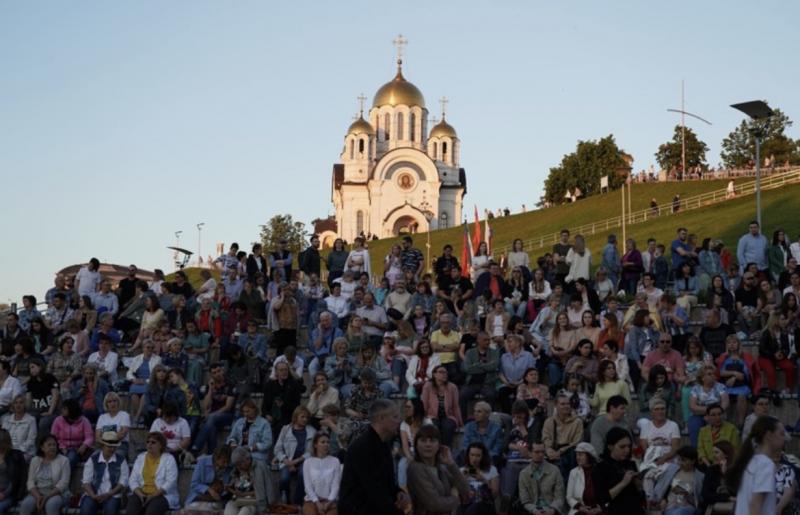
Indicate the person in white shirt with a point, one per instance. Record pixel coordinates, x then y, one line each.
321 477
99 493
579 259
336 303
105 359
358 259
88 278
752 474
10 386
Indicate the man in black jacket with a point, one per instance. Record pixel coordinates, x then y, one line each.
257 263
309 259
368 485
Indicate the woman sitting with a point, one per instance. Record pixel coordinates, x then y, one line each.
584 361
139 372
247 485
608 385
154 479
657 385
48 480
339 367
12 482
45 394
680 488
292 447
714 488
617 484
413 419
581 496
433 476
440 398
175 430
22 427
483 480
704 394
155 395
105 478
775 351
322 474
737 371
420 368
251 431
90 391
116 420
367 358
73 433
659 440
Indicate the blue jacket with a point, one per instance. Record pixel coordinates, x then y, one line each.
203 476
259 438
492 439
99 393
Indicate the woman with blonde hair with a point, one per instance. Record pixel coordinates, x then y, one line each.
293 446
114 419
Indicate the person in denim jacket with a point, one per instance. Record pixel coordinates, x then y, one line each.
254 428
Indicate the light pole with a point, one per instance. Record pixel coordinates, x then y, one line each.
199 241
178 245
684 114
426 210
758 110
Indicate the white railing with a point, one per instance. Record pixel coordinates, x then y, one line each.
689 203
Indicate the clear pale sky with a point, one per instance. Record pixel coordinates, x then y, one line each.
122 122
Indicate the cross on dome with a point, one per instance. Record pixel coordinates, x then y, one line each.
361 99
400 43
443 101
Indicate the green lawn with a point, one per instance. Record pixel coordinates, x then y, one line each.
727 220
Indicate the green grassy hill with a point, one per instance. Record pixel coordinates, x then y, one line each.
727 220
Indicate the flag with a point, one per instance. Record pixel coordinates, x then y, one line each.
476 235
466 252
487 235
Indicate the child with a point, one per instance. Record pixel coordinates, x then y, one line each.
578 398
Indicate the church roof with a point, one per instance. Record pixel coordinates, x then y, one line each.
443 129
361 126
398 91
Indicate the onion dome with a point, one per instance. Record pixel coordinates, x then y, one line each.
442 129
361 126
398 91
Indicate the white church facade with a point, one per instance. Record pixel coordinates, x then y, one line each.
394 175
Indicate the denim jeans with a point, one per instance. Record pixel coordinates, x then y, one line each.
286 482
91 507
208 433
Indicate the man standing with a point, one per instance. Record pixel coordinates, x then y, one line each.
649 256
284 318
541 487
681 251
560 250
444 263
752 248
228 262
281 259
411 258
309 260
126 289
616 408
480 365
368 486
256 263
87 281
611 260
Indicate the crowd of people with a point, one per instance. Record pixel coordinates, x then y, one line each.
361 391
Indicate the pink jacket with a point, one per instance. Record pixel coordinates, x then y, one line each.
431 403
72 436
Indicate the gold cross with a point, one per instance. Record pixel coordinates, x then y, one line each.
361 100
400 43
443 101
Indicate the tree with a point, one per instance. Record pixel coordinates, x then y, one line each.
739 148
669 155
283 227
583 169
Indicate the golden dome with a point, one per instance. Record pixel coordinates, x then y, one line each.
442 129
398 91
361 126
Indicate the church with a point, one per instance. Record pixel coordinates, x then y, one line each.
396 176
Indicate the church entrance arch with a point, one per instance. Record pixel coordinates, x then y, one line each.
405 225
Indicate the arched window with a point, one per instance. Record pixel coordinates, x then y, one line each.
412 127
435 150
359 222
443 220
361 145
401 130
351 149
387 123
444 150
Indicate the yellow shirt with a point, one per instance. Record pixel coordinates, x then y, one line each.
452 339
149 474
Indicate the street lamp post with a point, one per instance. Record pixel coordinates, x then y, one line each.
426 210
758 110
684 114
199 242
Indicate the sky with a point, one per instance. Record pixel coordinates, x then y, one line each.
124 122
